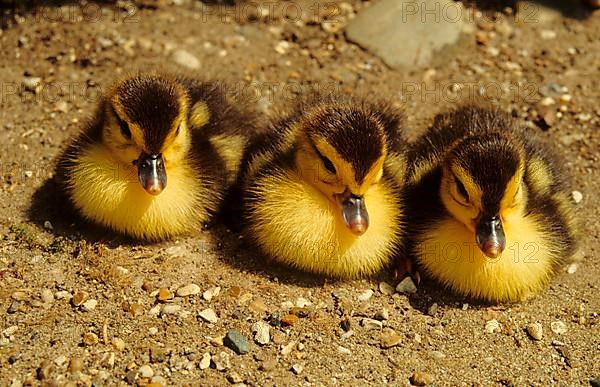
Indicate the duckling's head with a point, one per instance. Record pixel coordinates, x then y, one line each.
146 126
482 186
341 151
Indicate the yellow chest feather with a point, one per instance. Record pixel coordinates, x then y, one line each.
297 225
448 252
108 193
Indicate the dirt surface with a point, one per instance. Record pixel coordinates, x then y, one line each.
77 49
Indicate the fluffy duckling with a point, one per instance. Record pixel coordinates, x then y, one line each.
158 156
322 190
492 215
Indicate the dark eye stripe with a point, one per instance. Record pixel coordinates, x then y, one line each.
123 126
461 188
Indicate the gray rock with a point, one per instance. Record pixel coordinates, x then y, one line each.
407 32
407 285
237 342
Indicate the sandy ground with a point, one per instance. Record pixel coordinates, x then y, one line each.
127 336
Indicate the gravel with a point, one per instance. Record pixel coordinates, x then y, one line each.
536 331
237 342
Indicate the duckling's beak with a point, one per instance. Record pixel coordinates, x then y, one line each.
490 236
152 173
354 212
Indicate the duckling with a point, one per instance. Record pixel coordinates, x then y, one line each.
323 188
491 214
158 156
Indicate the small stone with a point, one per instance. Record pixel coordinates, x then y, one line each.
572 268
108 360
89 305
209 316
33 84
62 295
421 379
297 369
60 361
547 101
188 290
158 354
366 295
164 295
146 371
221 361
47 296
386 289
147 285
287 349
433 309
63 107
262 332
234 377
282 47
205 361
558 327
268 365
535 330
154 311
437 355
90 338
171 309
153 330
406 286
237 342
371 324
302 302
547 34
258 306
186 59
492 326
211 293
300 347
118 343
235 291
79 298
344 350
289 320
577 196
8 332
389 338
75 365
136 310
383 314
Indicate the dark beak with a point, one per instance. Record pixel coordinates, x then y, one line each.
490 236
354 212
152 173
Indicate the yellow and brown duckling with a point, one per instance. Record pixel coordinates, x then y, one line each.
491 215
158 156
323 189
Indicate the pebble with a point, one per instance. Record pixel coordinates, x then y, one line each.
572 268
492 326
421 379
344 350
558 327
33 84
289 319
188 290
205 361
62 295
433 309
234 377
211 293
386 289
20 296
371 324
90 338
406 286
208 315
547 34
146 371
302 302
287 349
164 295
47 296
282 47
171 309
262 332
384 314
153 330
389 338
268 365
118 343
258 306
237 342
80 297
297 369
577 196
186 59
8 332
535 330
366 295
89 305
75 365
60 361
547 101
221 361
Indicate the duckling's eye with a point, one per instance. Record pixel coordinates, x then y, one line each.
328 164
461 188
124 128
